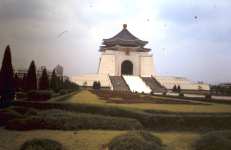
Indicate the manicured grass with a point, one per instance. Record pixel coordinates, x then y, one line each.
90 139
86 97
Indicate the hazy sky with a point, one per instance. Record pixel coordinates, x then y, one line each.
188 38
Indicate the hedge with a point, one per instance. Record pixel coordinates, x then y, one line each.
64 120
154 121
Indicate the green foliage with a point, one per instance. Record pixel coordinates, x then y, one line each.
179 89
8 114
208 97
21 95
44 81
42 144
54 84
31 79
220 140
181 94
96 85
64 120
7 83
136 140
42 95
174 89
155 121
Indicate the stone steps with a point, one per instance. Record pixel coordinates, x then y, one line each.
154 84
118 83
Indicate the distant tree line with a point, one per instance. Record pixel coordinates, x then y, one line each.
10 83
221 90
30 81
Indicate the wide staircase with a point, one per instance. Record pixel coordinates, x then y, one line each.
118 83
136 84
154 84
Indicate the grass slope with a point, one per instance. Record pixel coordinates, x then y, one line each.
86 97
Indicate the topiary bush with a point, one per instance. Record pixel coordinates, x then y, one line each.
21 95
42 95
8 114
136 140
181 94
214 141
208 97
41 144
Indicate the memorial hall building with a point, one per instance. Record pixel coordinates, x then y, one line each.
126 64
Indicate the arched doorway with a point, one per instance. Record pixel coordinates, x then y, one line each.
127 68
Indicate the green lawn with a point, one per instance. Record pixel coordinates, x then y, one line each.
89 139
86 97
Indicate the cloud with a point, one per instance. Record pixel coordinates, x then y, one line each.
197 48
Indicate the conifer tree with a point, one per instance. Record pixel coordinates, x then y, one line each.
174 88
24 82
54 81
31 80
18 82
178 89
44 81
7 86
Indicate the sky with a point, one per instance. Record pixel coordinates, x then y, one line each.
188 38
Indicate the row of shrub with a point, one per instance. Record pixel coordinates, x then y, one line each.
65 120
158 121
41 95
141 140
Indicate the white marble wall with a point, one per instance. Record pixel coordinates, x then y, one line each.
111 62
184 83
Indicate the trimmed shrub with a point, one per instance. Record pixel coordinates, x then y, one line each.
208 97
8 114
41 144
214 141
62 92
24 110
136 140
42 95
63 120
21 95
154 120
181 94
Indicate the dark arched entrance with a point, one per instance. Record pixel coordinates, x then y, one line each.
127 68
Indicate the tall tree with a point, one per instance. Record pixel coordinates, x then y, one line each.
44 81
18 82
24 82
54 82
31 80
7 86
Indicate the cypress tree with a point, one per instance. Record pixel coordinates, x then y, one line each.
44 81
18 82
178 89
31 80
54 81
24 82
174 88
7 86
95 85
